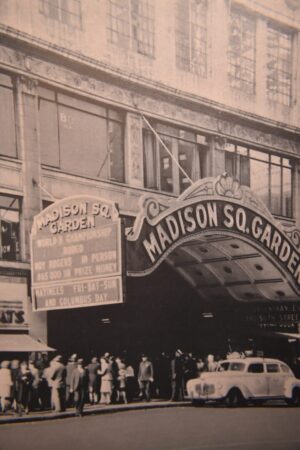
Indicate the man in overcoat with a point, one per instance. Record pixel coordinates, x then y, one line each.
79 385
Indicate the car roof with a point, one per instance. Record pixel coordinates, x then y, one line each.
252 359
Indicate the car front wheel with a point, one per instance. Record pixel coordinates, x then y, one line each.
295 400
234 398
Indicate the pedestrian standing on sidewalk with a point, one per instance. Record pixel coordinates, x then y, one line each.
5 385
122 382
79 386
58 384
115 380
24 380
36 382
71 365
94 380
14 368
130 383
145 377
177 376
106 379
42 365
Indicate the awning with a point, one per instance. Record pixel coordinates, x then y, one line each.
22 343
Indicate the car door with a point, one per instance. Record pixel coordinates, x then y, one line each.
257 380
276 380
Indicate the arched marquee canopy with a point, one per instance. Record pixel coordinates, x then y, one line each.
221 238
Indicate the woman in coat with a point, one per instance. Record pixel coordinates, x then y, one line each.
24 380
106 379
94 380
5 384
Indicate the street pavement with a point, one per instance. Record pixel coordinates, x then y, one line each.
182 428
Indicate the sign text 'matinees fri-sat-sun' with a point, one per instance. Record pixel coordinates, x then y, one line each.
76 254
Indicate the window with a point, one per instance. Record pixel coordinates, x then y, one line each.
160 170
223 367
285 369
241 53
81 137
8 146
131 24
269 176
237 367
191 36
256 368
65 11
279 66
10 228
273 368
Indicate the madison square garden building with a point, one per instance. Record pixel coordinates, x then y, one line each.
149 176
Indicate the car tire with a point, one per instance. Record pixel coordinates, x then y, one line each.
234 398
295 400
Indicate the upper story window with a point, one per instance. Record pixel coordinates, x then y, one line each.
191 36
269 176
131 25
279 66
8 145
10 228
65 11
241 54
80 137
160 170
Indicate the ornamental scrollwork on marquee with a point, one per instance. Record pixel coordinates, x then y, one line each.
294 235
151 207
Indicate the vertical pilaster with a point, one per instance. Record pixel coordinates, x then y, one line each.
216 156
27 106
296 197
134 173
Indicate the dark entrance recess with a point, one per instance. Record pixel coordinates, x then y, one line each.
162 313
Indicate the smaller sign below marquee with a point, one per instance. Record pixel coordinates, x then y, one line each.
76 254
13 303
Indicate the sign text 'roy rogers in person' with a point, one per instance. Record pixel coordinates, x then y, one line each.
77 239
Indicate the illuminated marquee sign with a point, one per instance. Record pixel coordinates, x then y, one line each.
76 254
209 206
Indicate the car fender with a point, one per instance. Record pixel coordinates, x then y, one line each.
290 385
236 385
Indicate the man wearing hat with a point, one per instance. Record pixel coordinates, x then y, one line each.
58 384
79 385
145 377
177 376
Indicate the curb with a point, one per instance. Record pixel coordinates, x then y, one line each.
89 412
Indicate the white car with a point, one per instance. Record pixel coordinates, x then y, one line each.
249 380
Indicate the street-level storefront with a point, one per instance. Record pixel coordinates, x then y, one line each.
186 273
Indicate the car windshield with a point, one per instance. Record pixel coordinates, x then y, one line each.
236 366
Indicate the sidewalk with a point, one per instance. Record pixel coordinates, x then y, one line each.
35 416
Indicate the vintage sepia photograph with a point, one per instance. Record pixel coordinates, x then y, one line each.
149 224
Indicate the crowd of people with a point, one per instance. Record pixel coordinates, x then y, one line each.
57 384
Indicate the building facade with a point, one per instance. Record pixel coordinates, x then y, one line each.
122 98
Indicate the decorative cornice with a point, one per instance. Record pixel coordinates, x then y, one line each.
138 80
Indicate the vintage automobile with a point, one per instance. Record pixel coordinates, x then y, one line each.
250 380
